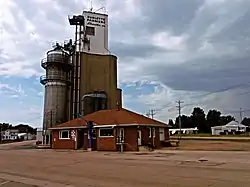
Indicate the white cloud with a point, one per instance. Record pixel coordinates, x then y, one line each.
12 91
153 49
168 41
26 114
130 8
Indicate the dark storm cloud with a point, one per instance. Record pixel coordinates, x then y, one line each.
227 67
236 34
177 17
130 51
172 15
213 76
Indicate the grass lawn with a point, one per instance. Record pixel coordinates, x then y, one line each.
209 134
206 145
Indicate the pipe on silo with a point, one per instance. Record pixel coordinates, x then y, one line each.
90 123
95 95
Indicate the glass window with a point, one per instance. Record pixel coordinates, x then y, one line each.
64 134
93 133
90 31
153 132
105 132
149 132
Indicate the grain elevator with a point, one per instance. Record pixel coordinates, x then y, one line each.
81 74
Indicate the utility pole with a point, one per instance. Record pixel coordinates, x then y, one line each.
241 115
1 133
152 113
179 113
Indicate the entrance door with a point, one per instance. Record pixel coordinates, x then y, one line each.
80 137
139 137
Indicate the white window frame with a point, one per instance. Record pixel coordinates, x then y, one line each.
95 133
99 132
153 129
94 31
150 132
92 136
60 134
162 133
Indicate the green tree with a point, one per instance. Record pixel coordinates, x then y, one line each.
171 123
5 126
25 129
198 119
186 122
246 121
226 119
213 118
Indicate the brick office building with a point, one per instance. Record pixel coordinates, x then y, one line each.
112 130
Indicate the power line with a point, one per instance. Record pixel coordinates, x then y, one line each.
246 84
238 111
245 93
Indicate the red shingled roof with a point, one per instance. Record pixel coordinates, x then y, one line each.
112 117
75 123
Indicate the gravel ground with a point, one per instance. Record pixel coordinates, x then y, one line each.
104 169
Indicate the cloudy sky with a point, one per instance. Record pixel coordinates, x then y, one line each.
196 51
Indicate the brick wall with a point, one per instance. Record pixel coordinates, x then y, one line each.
109 143
166 130
61 144
130 139
105 143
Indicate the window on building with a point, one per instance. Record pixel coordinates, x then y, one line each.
94 133
149 132
106 132
64 134
161 134
90 31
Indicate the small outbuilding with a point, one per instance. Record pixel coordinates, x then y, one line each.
110 130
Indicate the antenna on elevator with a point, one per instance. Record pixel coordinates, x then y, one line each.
91 6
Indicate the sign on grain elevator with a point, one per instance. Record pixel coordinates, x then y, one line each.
96 32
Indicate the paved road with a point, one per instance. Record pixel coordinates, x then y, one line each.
162 168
